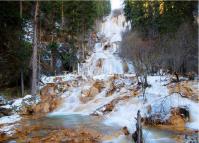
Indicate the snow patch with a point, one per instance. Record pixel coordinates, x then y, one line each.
10 119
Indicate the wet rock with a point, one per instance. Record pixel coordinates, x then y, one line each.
25 105
47 90
125 131
191 138
63 87
46 102
176 118
183 111
57 135
111 90
47 105
5 111
108 45
183 88
134 93
110 106
99 85
99 63
88 94
27 110
93 91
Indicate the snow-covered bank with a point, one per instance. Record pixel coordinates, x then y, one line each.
9 121
8 124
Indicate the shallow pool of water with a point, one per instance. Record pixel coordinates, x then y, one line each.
111 134
74 121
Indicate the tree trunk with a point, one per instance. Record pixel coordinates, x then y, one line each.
39 67
62 14
21 8
54 59
177 77
138 81
139 127
137 135
145 81
22 83
21 70
34 54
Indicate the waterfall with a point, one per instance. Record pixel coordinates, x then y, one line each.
104 59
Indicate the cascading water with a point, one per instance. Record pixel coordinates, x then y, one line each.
104 59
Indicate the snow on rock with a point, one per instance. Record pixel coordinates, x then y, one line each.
7 106
27 100
161 102
157 88
17 103
52 79
9 119
8 129
2 101
8 123
124 114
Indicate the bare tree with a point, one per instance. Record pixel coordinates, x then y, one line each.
141 52
179 50
34 54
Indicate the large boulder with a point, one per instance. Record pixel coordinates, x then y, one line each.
47 105
176 118
24 105
49 100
